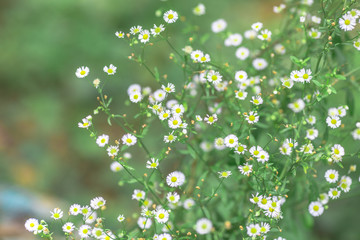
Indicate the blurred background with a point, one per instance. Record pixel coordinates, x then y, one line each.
46 160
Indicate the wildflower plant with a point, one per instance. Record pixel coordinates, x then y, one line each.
254 137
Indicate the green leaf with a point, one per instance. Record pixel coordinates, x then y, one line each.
340 77
350 102
109 120
317 83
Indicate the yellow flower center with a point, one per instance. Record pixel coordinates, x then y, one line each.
305 76
170 16
231 141
175 122
83 72
32 224
211 119
316 208
110 70
153 165
265 35
333 121
174 179
252 118
128 140
161 215
332 176
145 36
336 151
347 22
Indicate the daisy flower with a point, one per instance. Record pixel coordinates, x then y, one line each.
121 218
135 30
263 157
68 227
356 133
224 174
135 97
297 106
97 202
196 55
316 19
241 76
307 148
338 150
188 203
129 139
311 119
75 209
156 30
273 212
253 230
85 210
170 138
305 75
173 197
357 44
255 199
333 121
144 223
345 183
175 179
314 33
174 122
231 141
112 151
203 226
90 217
240 148
102 140
242 53
257 26
199 10
279 49
264 203
312 133
178 110
57 213
116 167
161 215
259 63
210 119
170 88
85 231
111 70
153 163
265 35
331 176
31 224
287 82
264 228
119 34
334 193
233 40
138 195
144 36
218 25
278 9
355 13
323 198
316 209
214 77
133 88
245 169
170 16
219 143
97 232
159 95
347 22
82 72
256 100
241 94
250 34
86 122
164 236
285 150
252 117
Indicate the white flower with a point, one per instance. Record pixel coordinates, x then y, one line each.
316 209
196 55
214 77
241 94
219 143
129 139
97 202
86 122
156 30
242 53
85 210
314 33
188 203
120 34
255 199
116 166
187 49
175 179
135 30
297 106
138 195
331 176
263 156
250 34
135 97
153 163
259 63
161 215
210 119
279 49
170 16
164 236
170 138
333 121
307 148
112 150
265 35
347 22
241 76
121 218
144 223
253 230
311 119
170 88
323 198
57 213
345 183
102 140
159 95
302 19
231 141
111 70
173 197
31 224
356 134
75 209
334 193
85 231
233 40
82 72
252 117
338 150
68 227
355 13
199 9
224 174
97 232
245 169
240 148
256 100
178 110
90 217
144 36
278 9
133 88
174 122
257 26
218 25
203 226
312 133
316 19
